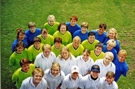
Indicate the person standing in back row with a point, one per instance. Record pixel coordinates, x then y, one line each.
83 33
32 32
73 26
51 25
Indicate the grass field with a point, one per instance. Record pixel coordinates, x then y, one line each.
119 14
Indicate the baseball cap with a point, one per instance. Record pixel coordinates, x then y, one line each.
95 68
74 69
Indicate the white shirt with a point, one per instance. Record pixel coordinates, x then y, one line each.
89 83
53 81
113 85
66 64
104 69
84 67
43 62
28 84
69 83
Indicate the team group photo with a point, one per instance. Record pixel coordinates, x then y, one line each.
67 44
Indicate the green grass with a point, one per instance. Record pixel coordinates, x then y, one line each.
118 14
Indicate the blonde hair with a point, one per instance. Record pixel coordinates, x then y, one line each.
66 49
115 32
84 24
46 46
37 70
54 65
87 51
110 54
77 38
123 52
51 17
111 42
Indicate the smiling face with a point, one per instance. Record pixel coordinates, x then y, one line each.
51 21
98 50
73 22
37 78
111 35
83 30
109 47
55 71
21 36
121 58
44 35
65 54
74 75
107 60
19 49
101 31
91 39
25 67
46 52
63 29
85 56
94 74
32 29
76 44
109 79
37 45
57 45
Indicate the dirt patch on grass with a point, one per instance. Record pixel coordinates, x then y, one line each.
131 67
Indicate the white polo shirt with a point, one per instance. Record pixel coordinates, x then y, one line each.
66 64
53 81
113 85
84 67
28 84
104 69
89 83
69 83
43 62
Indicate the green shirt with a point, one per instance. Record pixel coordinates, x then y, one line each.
88 45
34 52
56 51
66 38
95 57
51 29
15 58
48 40
75 52
19 75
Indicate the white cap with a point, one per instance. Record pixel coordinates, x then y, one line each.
74 69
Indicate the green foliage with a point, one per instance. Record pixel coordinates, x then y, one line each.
117 14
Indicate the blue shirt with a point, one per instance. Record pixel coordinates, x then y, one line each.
117 47
31 35
82 36
100 38
113 51
16 41
121 68
73 29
